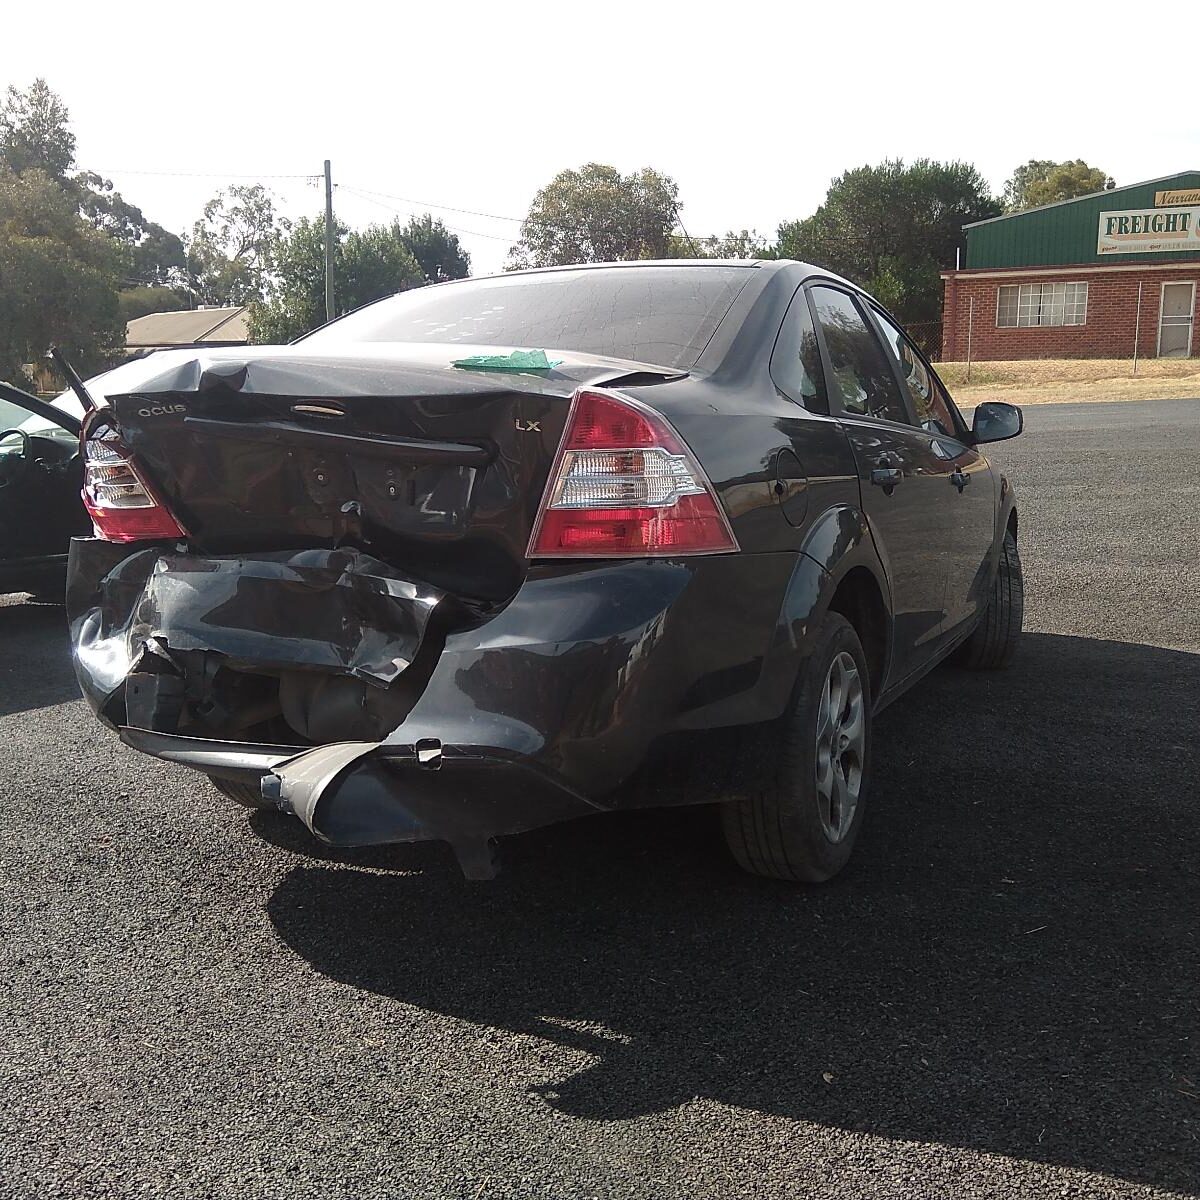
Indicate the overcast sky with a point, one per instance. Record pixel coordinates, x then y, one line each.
751 107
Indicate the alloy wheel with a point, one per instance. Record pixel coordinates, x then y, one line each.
841 744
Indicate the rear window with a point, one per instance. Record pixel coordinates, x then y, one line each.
659 315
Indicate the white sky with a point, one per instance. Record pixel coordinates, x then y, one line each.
751 107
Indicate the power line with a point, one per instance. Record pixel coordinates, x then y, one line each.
209 175
392 208
470 212
377 197
315 178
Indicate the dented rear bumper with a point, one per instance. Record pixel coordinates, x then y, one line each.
363 794
513 719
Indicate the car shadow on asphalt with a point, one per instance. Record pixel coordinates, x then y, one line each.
1009 964
35 656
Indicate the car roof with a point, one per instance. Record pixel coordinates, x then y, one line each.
767 266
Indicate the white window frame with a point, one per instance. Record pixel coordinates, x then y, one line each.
1028 301
1162 304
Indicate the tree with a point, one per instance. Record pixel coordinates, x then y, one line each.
436 249
1042 181
139 301
892 228
596 214
367 266
228 254
58 278
34 134
155 256
745 243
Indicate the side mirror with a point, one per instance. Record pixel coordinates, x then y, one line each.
996 422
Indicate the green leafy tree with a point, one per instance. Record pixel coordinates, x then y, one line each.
1042 181
367 265
155 256
436 249
34 134
744 243
891 228
58 278
139 301
229 252
596 214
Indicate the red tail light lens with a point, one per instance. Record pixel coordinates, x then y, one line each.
121 502
624 484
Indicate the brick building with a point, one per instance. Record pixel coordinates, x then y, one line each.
1083 278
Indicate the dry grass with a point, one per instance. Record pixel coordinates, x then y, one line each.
1052 380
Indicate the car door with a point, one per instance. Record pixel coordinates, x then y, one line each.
40 478
968 524
903 473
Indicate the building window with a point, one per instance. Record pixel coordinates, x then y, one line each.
1021 305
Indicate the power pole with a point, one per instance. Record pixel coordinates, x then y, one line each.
329 313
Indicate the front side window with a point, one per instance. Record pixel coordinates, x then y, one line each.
929 401
1024 305
862 378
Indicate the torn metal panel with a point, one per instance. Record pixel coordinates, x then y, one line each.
338 611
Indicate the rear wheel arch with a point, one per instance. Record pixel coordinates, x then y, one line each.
859 598
839 571
856 584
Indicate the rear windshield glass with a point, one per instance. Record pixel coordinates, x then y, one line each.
659 315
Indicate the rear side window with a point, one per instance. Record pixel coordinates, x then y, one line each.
862 378
658 315
796 361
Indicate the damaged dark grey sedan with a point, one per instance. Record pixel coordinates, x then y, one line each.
502 552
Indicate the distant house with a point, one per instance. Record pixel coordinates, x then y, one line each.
191 327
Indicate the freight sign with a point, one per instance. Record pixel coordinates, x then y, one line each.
1149 231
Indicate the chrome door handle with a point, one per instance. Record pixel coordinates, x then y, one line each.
886 477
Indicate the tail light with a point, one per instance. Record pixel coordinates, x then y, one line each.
624 484
122 503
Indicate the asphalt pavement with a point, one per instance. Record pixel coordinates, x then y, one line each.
999 998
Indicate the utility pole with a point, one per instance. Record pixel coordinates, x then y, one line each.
329 313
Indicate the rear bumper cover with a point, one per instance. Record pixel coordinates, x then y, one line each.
534 716
355 794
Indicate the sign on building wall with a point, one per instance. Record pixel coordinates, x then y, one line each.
1149 231
1179 196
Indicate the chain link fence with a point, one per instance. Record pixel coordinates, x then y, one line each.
928 336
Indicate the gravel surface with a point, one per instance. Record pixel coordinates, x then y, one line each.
999 998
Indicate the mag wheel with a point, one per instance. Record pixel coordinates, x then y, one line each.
802 823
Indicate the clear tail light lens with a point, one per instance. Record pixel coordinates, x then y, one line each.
624 484
121 502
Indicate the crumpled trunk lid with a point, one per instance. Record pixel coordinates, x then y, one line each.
430 468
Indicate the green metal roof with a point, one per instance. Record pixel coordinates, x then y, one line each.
1065 233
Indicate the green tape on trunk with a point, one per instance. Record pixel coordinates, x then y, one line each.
518 360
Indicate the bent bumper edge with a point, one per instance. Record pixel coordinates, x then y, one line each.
356 794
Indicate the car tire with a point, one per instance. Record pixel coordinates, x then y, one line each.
996 637
801 823
245 794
